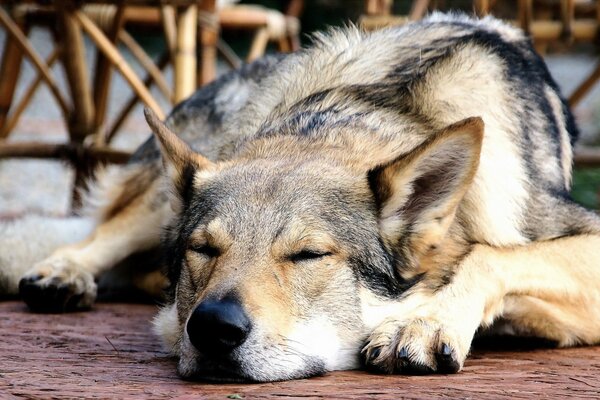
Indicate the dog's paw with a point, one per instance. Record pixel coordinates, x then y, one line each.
417 346
58 285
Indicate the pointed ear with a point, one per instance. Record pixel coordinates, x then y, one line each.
419 193
179 160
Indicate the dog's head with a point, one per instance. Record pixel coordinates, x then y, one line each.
276 263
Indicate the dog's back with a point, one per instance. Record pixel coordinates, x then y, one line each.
381 94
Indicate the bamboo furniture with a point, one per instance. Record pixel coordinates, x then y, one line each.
268 26
186 24
102 22
569 27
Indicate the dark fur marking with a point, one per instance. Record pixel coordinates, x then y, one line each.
147 152
310 101
204 100
525 69
175 241
523 64
443 280
429 189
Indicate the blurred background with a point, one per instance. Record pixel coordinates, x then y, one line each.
50 140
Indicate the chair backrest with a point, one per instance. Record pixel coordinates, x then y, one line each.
545 20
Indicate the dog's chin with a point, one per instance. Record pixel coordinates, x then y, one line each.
227 372
216 376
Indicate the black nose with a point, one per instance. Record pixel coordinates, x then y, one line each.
216 327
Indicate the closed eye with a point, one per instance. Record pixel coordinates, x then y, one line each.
308 255
206 250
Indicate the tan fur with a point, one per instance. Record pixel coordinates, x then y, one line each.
337 201
133 187
79 264
546 289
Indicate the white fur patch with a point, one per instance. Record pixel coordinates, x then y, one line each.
566 154
166 326
28 240
319 338
375 310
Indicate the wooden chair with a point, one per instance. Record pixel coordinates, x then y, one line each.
184 23
85 115
268 26
578 21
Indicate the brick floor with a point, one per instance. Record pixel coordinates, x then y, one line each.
111 352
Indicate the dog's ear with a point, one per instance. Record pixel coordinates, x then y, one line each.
418 194
179 160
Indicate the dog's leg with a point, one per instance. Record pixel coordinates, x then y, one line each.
548 289
132 223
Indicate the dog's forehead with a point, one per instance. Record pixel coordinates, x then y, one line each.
275 186
268 197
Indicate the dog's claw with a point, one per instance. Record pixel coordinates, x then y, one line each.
403 354
48 298
59 286
420 346
370 360
375 353
371 356
29 279
446 362
446 350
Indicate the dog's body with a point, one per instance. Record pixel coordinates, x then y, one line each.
399 189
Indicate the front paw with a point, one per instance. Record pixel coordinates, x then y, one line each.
417 346
58 285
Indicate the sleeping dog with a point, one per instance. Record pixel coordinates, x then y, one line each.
376 197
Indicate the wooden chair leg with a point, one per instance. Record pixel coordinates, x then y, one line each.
42 68
567 12
81 124
208 34
585 87
228 54
295 8
9 71
259 44
105 46
525 14
294 41
103 74
482 7
284 45
12 120
185 57
133 100
169 25
418 9
146 62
